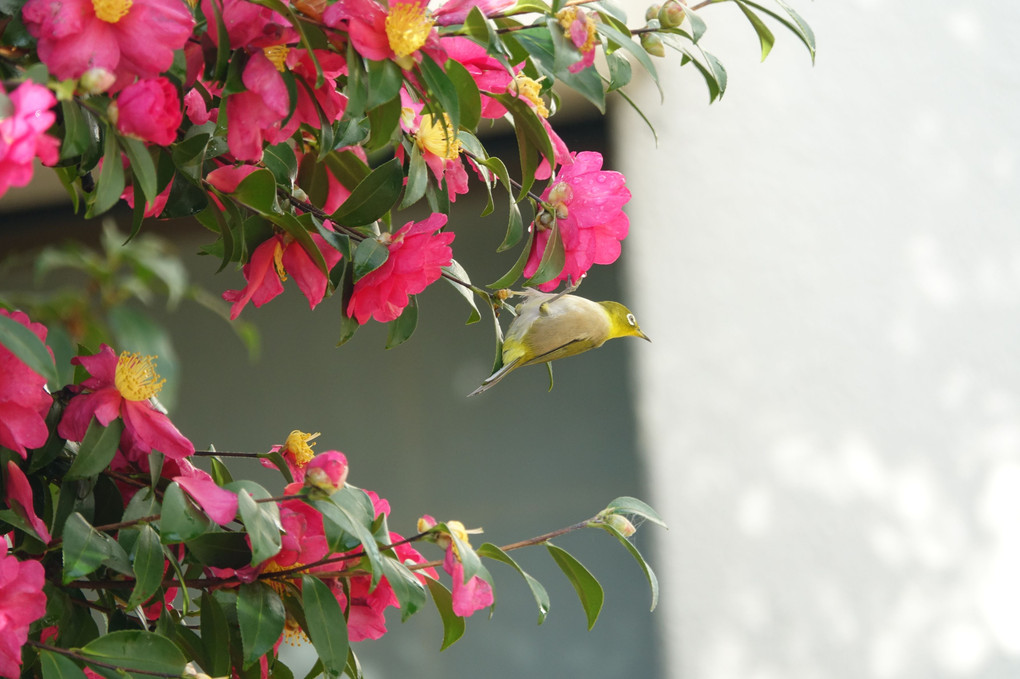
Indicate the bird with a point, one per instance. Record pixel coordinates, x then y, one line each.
549 326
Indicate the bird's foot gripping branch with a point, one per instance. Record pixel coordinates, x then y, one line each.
297 132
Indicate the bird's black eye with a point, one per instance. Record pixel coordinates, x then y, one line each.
631 319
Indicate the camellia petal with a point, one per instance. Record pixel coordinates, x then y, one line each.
20 499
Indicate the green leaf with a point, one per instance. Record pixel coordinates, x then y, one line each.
458 271
653 582
441 91
215 636
373 197
137 650
369 256
344 510
553 259
588 589
470 101
221 550
261 617
219 472
514 228
453 624
142 168
261 520
627 43
538 591
619 71
408 589
56 666
384 121
794 23
515 271
110 183
85 549
180 519
417 177
402 327
765 36
258 192
281 161
97 449
327 627
633 506
147 566
28 348
384 82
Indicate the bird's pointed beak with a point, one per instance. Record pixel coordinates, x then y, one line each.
644 336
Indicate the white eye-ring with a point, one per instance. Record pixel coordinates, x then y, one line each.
631 319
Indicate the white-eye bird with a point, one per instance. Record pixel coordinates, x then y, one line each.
549 326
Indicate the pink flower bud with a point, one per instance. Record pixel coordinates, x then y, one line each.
149 110
97 80
327 471
672 14
653 44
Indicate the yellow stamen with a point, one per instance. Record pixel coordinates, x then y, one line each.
298 446
530 89
408 26
136 378
111 11
277 54
278 261
568 15
293 634
438 136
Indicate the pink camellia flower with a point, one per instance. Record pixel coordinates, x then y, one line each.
399 33
270 264
255 116
22 602
588 204
579 28
417 255
24 400
455 11
437 140
468 596
489 75
131 38
149 110
304 534
248 24
296 451
327 471
122 387
25 116
218 503
20 499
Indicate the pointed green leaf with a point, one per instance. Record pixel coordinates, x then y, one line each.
142 168
28 348
137 650
441 91
402 327
631 505
794 23
373 197
470 100
221 550
765 36
180 519
653 582
110 183
517 269
56 666
147 566
97 449
588 589
261 520
327 628
453 624
417 177
408 589
553 259
458 271
261 617
514 228
369 256
215 636
258 191
538 591
85 549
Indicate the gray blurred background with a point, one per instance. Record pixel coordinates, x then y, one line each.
828 418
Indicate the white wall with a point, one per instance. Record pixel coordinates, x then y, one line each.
828 262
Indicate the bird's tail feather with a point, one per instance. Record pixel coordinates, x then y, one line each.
495 377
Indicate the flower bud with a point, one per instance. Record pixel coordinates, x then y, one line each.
652 11
653 44
327 471
622 524
672 14
96 80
